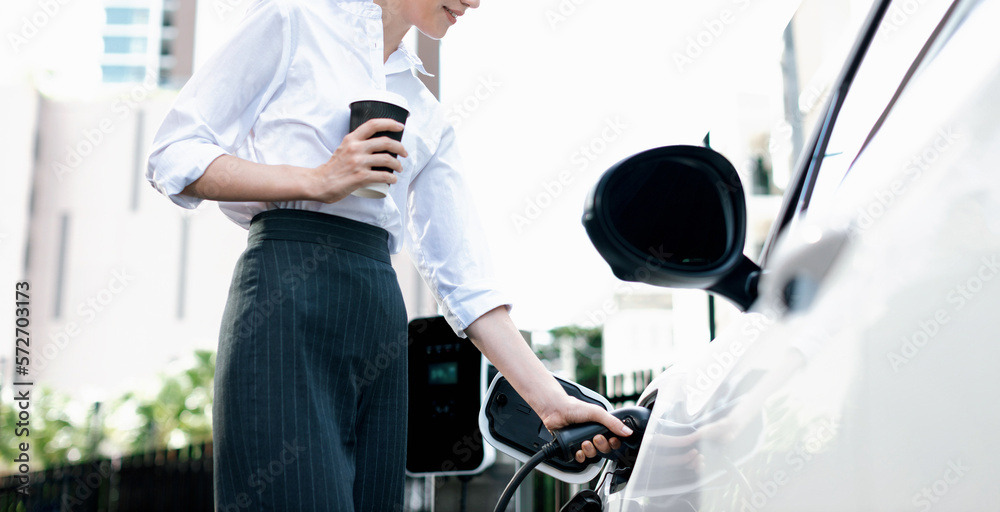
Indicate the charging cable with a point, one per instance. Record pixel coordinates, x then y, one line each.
568 440
546 453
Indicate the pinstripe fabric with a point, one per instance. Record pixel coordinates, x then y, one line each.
310 385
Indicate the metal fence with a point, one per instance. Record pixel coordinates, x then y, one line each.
157 481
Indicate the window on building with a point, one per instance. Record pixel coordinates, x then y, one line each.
115 74
124 44
61 264
126 15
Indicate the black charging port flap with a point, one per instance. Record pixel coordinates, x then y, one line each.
509 424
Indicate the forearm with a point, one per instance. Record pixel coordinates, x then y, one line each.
230 178
496 336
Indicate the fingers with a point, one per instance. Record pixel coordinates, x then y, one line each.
371 152
600 444
379 144
373 126
586 451
356 158
381 160
370 177
589 412
614 424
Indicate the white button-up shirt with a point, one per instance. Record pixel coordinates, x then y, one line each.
278 93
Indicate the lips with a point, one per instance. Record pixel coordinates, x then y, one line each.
452 15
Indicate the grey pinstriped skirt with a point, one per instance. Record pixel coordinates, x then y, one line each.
310 383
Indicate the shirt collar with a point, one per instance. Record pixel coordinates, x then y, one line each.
363 8
402 59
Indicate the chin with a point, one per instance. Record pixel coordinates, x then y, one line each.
435 33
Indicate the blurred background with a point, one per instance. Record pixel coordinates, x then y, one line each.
127 290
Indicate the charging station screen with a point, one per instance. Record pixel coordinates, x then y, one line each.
442 373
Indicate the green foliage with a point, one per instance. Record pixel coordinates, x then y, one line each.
586 351
64 432
55 431
587 343
179 413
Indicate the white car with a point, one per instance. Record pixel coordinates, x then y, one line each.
863 373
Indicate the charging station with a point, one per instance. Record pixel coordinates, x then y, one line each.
447 378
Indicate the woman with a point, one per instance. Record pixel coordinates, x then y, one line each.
262 128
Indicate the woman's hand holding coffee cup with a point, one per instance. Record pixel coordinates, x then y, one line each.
378 105
350 167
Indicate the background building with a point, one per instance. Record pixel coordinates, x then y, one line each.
153 38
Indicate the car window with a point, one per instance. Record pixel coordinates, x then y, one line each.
947 113
902 35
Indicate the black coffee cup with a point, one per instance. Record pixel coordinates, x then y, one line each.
375 106
365 110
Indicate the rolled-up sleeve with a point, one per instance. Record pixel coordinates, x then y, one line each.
216 109
446 241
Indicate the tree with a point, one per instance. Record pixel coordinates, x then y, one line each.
181 411
63 431
586 345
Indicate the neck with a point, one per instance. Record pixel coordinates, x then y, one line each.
394 27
